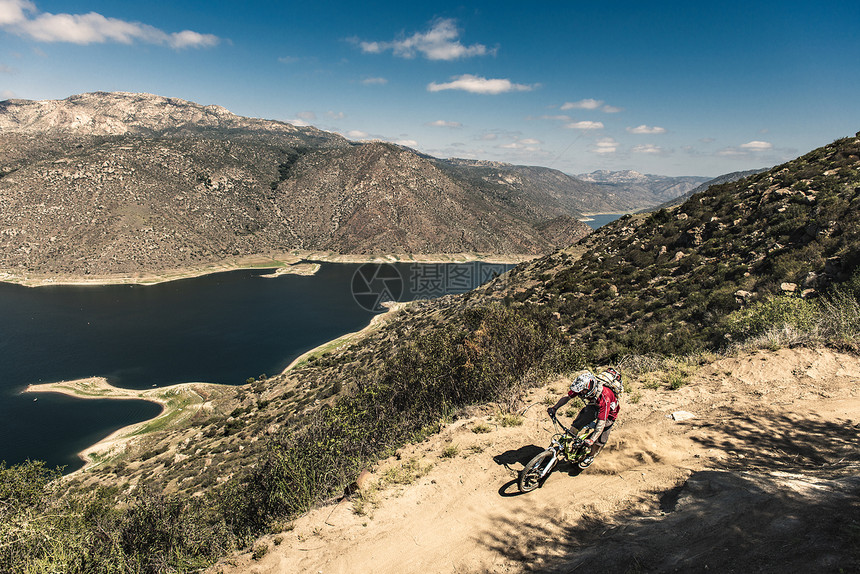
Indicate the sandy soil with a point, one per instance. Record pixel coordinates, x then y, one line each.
765 475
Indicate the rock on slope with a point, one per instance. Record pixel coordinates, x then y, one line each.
121 183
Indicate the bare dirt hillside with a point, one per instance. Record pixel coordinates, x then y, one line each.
764 477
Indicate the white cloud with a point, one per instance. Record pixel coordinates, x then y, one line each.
707 140
356 134
560 118
191 39
407 143
308 115
757 145
585 125
647 148
298 122
479 85
747 149
730 151
527 144
588 104
440 42
591 104
7 94
643 129
335 115
14 11
489 137
605 146
374 81
22 17
444 124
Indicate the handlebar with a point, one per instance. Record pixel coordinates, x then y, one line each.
558 422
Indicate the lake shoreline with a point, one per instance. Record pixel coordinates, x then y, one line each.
179 402
116 442
293 263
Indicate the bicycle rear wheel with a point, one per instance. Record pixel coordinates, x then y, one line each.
531 476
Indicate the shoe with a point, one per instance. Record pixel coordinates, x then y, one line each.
586 462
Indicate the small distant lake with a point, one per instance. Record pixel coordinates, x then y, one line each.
601 219
220 328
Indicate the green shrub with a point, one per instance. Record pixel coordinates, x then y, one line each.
450 451
771 314
676 379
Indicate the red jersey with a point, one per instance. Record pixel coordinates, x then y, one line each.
607 404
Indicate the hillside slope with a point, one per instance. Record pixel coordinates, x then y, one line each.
117 183
765 475
666 281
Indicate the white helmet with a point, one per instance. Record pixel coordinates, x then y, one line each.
586 385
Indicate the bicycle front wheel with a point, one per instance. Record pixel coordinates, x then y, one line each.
532 476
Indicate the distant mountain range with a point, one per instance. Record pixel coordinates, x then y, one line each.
637 190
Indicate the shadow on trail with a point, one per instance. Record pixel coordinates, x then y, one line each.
786 496
783 442
515 460
520 456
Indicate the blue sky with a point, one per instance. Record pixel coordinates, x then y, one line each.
673 88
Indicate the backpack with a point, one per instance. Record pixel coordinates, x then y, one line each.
610 378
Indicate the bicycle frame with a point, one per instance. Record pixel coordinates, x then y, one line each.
565 445
574 442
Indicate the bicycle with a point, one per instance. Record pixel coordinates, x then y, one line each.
563 446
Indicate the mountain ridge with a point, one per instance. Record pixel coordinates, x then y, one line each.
118 183
648 190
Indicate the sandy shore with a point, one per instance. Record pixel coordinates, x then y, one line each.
590 216
179 403
292 263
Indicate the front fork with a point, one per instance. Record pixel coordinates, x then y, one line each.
551 464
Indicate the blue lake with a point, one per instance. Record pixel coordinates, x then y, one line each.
220 328
602 219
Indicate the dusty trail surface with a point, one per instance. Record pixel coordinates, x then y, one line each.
765 476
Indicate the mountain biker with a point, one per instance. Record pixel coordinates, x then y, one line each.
602 405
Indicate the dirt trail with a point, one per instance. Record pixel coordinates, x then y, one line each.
766 474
